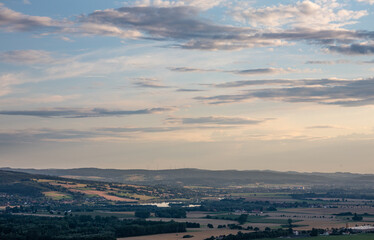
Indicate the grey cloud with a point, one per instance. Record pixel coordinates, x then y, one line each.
282 82
345 93
320 62
254 71
162 23
257 71
148 83
139 129
15 21
82 113
341 61
188 69
31 135
353 49
215 120
245 83
185 27
189 90
46 134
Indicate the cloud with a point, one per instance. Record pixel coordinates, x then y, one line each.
344 93
89 28
83 113
202 4
369 62
215 120
371 2
161 23
148 83
188 69
43 98
6 82
44 134
282 82
184 26
354 49
302 14
15 21
140 129
189 90
322 62
321 127
253 71
26 57
258 71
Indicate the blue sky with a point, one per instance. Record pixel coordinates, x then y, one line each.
193 83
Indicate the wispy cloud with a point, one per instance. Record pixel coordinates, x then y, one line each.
344 93
322 127
189 90
148 83
284 82
26 57
252 71
214 120
83 113
326 62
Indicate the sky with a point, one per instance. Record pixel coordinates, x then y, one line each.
163 84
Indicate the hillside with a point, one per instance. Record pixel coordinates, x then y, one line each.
198 177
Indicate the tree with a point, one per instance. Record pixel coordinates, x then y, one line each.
210 225
356 217
289 222
242 219
314 232
142 214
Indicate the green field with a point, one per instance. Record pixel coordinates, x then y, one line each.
345 237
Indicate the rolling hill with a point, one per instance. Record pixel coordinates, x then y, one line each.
198 177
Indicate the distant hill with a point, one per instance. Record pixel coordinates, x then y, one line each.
198 177
21 183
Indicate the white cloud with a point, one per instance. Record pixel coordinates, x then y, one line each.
6 81
104 29
201 4
319 14
371 2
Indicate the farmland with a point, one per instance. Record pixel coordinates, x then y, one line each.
217 211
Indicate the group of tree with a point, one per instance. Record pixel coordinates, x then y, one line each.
231 205
171 213
85 227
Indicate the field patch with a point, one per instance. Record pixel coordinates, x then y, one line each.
57 195
104 195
